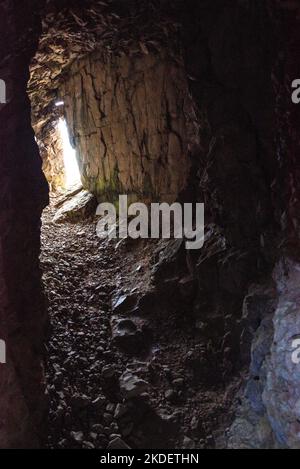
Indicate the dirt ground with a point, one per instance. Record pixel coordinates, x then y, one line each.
173 396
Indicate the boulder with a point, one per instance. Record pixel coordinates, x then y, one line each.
131 335
124 303
132 386
117 443
79 207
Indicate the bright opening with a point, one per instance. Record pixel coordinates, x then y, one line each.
72 175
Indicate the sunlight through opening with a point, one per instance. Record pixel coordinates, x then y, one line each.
72 175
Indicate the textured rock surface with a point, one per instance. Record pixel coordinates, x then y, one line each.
269 415
79 207
251 427
131 386
129 119
73 28
51 151
23 194
282 390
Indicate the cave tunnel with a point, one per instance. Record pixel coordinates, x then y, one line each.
122 343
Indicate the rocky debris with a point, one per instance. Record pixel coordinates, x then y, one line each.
188 288
258 309
131 335
268 417
96 389
106 148
171 395
201 361
237 153
82 49
250 431
117 443
188 443
124 304
78 436
120 411
170 259
144 426
131 386
79 207
67 194
149 301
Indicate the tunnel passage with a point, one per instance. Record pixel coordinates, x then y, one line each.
161 101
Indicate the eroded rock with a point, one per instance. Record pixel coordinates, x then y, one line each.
131 335
118 443
132 386
79 207
281 395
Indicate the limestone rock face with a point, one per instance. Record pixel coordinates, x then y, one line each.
251 427
269 416
129 118
237 165
132 386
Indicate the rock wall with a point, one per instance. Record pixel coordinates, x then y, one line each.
287 17
245 77
51 151
130 118
231 54
228 60
23 194
229 63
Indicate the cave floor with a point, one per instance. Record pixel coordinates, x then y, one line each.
83 276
